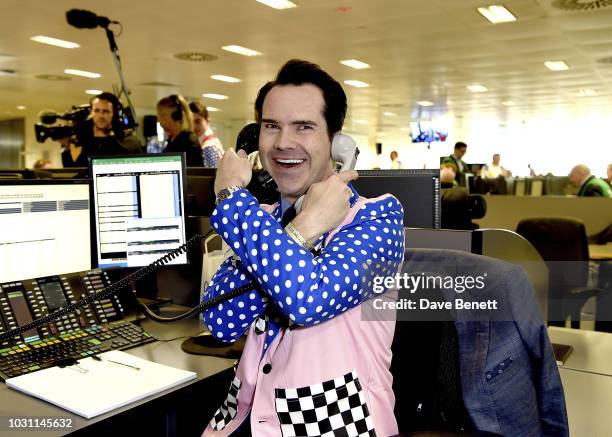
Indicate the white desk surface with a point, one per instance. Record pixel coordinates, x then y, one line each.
592 350
589 403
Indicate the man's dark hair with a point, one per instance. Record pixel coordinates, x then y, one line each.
117 125
460 145
298 72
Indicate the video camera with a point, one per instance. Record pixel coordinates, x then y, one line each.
76 118
79 124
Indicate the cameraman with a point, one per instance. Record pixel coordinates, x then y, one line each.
104 134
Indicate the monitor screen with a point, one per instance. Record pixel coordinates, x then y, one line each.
45 228
427 132
417 190
138 208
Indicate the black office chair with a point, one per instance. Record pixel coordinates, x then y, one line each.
459 208
562 243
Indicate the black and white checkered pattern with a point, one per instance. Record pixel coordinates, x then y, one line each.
332 408
228 410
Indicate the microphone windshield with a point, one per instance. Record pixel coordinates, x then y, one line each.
82 19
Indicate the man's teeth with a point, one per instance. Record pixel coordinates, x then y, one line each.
289 161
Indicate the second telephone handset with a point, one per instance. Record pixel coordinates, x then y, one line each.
344 152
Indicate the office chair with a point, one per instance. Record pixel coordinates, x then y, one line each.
562 243
459 208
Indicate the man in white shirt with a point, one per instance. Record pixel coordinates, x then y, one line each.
494 170
212 149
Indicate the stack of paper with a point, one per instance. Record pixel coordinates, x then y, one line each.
95 387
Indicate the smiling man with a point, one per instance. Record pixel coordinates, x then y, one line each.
310 366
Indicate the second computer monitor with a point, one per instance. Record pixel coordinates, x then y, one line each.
138 208
417 190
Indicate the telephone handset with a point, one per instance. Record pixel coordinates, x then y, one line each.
344 152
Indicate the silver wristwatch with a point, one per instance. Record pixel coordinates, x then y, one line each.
225 193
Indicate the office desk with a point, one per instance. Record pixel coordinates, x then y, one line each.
589 402
16 404
592 350
587 380
600 251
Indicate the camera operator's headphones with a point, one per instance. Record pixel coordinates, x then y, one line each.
177 114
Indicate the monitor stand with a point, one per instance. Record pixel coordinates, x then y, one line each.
206 344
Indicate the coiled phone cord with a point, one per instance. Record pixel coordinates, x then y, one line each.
131 278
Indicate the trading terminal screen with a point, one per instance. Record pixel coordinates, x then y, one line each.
417 190
45 228
138 208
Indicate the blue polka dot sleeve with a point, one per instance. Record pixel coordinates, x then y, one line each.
307 289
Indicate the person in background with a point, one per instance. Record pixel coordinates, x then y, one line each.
175 117
495 170
42 164
609 178
212 149
590 186
456 158
396 164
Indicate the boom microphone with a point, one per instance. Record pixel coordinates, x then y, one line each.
82 19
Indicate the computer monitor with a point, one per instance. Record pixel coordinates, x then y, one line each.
417 190
201 195
138 208
45 228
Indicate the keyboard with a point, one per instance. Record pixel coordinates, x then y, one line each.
47 352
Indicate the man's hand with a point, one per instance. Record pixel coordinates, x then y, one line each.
233 169
325 205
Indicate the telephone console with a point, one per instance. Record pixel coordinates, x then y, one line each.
96 328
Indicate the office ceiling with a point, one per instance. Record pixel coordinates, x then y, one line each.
418 50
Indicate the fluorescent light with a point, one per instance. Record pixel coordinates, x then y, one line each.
476 88
361 122
278 4
212 109
21 107
497 14
224 78
425 103
356 83
587 93
556 65
507 103
93 92
55 42
215 96
241 50
354 63
389 114
82 73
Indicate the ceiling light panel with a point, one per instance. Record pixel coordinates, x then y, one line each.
93 92
55 42
82 73
215 96
496 14
556 65
239 50
224 78
357 83
477 88
278 4
356 64
425 103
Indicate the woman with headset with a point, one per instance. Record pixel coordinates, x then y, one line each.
175 117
